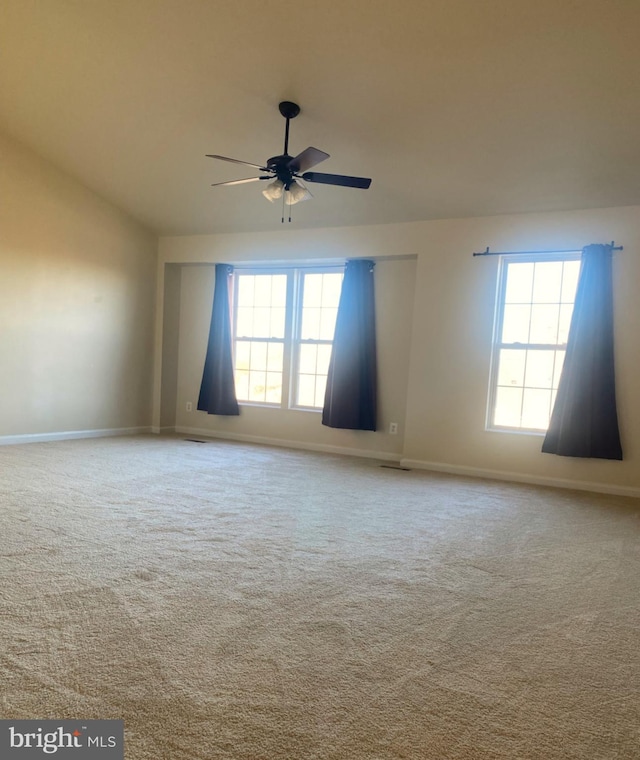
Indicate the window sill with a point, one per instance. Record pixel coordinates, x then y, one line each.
516 431
278 407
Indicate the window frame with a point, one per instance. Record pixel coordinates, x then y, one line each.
497 344
292 330
285 340
297 341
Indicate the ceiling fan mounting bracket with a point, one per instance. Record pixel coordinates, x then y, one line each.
288 109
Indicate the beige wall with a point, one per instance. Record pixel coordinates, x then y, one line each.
77 287
453 323
170 346
435 359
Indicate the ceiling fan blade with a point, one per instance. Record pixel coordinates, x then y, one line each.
337 179
308 158
309 195
235 161
239 181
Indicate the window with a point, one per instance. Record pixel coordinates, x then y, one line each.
283 328
318 308
535 304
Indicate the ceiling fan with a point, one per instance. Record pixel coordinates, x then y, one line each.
286 172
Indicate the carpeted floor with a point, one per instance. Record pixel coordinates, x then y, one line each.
240 602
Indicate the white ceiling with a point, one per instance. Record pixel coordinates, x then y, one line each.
453 107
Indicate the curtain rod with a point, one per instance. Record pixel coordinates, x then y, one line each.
276 266
315 263
515 253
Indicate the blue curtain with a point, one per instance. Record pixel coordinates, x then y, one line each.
350 399
584 421
217 390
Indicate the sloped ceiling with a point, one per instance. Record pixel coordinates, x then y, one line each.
453 107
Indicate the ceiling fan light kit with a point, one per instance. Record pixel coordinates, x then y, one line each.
273 191
297 193
294 194
287 171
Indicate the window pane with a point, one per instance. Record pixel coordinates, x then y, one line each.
539 373
327 323
536 407
544 324
253 381
261 307
245 289
242 385
258 360
331 289
261 323
570 275
312 290
321 386
508 407
279 290
566 310
275 357
258 356
274 387
312 380
306 390
519 283
257 386
277 322
515 328
546 281
243 355
321 295
244 322
308 357
324 357
262 294
511 369
310 324
557 370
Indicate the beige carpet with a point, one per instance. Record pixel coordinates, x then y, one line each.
231 601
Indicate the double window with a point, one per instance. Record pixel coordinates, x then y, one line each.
283 325
534 308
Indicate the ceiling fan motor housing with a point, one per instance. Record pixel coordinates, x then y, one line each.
280 166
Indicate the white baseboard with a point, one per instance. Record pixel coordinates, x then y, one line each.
414 464
322 447
68 435
522 477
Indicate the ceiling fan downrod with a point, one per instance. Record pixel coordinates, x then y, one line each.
289 110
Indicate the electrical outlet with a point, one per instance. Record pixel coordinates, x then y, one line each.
189 406
393 428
